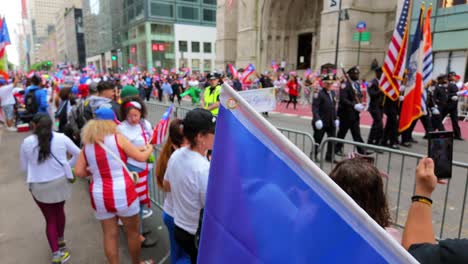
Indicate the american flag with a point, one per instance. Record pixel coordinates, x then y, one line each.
395 61
160 130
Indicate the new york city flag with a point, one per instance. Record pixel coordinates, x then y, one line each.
267 202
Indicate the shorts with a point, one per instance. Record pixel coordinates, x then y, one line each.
132 210
9 111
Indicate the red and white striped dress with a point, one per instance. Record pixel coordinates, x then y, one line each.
111 189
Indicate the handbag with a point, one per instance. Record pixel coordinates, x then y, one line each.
134 175
66 167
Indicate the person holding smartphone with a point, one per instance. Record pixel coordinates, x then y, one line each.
418 235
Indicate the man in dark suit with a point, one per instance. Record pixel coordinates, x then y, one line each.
349 109
376 109
324 112
451 105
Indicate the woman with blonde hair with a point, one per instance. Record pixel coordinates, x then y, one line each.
112 188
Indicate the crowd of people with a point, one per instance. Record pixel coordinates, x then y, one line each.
101 133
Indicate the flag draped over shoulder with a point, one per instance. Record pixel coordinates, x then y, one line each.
395 60
160 130
267 202
412 105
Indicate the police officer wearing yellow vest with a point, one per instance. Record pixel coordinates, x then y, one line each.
211 95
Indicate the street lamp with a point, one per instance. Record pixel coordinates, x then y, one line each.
342 15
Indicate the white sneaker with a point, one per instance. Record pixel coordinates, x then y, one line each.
12 129
147 213
120 222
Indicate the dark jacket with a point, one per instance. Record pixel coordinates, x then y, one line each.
376 96
323 108
441 96
349 97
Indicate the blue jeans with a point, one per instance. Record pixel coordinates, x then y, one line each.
177 253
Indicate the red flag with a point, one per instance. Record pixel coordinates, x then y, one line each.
412 105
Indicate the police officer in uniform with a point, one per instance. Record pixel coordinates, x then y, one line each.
324 113
349 108
211 95
376 109
452 105
439 99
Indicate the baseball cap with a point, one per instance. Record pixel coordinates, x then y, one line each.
199 120
104 113
129 90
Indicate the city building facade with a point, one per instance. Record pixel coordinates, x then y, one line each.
303 33
74 38
156 27
42 17
449 22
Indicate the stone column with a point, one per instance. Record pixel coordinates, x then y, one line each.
247 32
226 35
148 47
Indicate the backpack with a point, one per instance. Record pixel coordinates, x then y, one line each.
79 115
30 101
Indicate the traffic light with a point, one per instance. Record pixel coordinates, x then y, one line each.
114 58
49 63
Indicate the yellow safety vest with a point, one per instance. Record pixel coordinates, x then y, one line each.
212 98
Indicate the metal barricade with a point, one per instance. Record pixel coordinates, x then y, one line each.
450 200
303 140
157 196
156 111
181 111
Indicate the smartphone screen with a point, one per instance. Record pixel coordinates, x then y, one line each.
440 149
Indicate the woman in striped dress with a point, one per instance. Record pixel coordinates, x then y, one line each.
112 189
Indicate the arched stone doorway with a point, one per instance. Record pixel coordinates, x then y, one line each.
289 32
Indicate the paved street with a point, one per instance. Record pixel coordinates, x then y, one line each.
22 226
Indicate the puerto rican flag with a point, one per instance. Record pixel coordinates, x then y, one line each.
247 72
160 130
233 70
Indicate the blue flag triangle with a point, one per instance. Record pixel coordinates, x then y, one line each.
267 202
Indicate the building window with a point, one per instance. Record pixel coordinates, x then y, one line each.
189 13
183 46
160 29
195 46
183 63
162 10
209 2
207 65
450 3
191 1
207 47
195 64
209 15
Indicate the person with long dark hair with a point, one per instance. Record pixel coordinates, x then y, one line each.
44 157
175 141
363 182
187 173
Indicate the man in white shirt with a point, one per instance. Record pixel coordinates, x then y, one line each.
8 102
